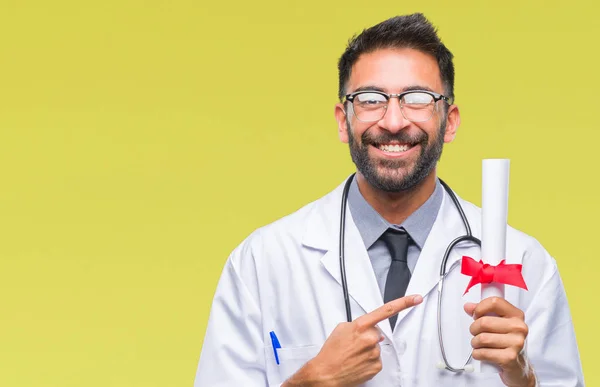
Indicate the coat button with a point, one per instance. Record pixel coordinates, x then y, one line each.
400 347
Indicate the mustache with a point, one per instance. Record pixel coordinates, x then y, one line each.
403 137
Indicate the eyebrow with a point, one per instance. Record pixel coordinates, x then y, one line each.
377 88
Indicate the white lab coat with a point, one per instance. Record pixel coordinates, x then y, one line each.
285 278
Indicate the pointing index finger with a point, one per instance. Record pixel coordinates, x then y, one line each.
387 310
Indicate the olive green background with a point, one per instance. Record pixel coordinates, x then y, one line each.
141 141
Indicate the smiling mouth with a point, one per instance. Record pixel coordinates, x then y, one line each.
394 147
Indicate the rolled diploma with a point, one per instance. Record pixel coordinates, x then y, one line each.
494 214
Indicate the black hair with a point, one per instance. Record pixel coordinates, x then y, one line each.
408 31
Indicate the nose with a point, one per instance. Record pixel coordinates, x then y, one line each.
393 120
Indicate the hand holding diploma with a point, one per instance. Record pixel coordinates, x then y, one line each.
499 334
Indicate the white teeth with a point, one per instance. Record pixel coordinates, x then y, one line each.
394 148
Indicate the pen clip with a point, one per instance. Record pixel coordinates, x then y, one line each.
276 345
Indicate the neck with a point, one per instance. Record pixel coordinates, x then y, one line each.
395 207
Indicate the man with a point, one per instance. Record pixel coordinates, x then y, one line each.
279 314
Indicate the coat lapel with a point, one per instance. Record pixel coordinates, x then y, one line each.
323 233
448 226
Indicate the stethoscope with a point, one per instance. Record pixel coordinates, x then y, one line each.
467 237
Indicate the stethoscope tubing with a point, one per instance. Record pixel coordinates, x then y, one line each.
467 237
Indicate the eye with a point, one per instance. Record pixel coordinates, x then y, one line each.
417 98
370 99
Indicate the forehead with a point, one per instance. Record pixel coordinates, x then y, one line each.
394 70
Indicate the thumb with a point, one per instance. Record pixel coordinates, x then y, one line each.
470 308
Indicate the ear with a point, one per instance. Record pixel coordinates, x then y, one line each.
452 123
340 117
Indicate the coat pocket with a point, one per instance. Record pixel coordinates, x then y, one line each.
290 361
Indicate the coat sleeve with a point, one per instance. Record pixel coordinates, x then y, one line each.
551 344
233 349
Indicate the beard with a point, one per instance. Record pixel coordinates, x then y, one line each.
396 175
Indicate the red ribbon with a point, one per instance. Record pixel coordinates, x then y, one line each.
483 273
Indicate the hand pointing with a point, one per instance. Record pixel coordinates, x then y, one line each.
351 354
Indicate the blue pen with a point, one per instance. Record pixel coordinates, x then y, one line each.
276 345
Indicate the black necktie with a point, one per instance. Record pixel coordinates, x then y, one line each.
399 275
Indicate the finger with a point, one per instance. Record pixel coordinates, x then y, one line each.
501 357
498 341
387 310
375 353
470 308
497 306
492 324
371 337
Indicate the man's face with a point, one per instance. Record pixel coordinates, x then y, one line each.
395 154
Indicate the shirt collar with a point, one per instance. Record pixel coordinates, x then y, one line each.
371 225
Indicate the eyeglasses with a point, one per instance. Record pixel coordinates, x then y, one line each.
415 105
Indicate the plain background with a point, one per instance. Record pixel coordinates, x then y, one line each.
141 141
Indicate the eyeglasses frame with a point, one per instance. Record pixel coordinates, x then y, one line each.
436 97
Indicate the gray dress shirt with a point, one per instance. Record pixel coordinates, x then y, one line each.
371 226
